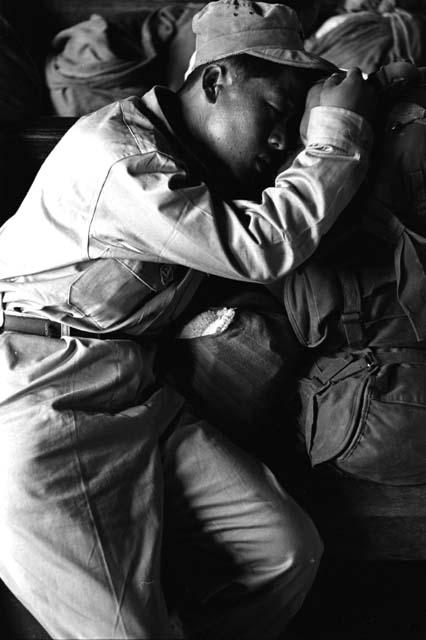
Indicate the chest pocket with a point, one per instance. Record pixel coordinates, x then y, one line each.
107 291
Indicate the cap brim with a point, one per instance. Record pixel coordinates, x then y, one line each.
293 58
290 57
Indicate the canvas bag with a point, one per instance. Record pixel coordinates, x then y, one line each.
363 396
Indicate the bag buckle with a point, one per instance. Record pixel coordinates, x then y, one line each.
370 360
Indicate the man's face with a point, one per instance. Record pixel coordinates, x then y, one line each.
254 126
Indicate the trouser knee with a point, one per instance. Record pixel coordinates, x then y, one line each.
296 549
306 556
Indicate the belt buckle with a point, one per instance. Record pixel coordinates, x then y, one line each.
51 329
65 330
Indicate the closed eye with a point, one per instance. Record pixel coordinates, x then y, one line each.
285 109
279 110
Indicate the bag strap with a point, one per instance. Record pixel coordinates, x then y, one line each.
400 356
352 308
333 369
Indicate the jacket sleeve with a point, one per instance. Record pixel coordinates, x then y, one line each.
243 240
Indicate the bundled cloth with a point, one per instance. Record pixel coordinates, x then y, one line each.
371 33
101 60
20 84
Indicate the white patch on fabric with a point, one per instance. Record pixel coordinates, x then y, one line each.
208 323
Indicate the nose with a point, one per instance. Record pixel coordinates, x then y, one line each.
278 137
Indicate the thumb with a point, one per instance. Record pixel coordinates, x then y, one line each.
335 78
354 73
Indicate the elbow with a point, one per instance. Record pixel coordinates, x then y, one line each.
267 272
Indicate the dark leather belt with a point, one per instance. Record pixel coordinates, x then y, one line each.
52 329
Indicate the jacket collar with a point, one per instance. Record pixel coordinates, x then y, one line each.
156 101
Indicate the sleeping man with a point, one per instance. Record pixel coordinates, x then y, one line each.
107 476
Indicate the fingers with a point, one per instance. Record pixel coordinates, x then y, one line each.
354 74
334 79
348 90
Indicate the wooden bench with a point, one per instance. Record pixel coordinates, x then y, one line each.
374 569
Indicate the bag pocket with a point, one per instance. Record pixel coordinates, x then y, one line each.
391 444
332 413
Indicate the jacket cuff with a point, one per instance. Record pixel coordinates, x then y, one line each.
332 128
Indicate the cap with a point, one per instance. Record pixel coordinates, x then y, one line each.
269 31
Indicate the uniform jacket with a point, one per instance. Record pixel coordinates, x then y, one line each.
119 204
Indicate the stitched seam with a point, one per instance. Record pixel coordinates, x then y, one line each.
163 154
411 403
95 530
123 264
362 420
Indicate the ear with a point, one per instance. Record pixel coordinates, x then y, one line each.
213 80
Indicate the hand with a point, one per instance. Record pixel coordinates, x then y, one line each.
348 90
395 76
312 100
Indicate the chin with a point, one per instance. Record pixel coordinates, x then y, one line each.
250 189
244 186
259 184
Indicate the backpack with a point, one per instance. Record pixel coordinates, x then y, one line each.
363 392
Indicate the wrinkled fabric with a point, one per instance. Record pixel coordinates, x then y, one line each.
136 213
84 471
382 6
388 218
81 485
243 378
362 314
97 457
101 60
262 551
370 39
20 83
364 412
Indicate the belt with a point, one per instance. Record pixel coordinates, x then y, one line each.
52 329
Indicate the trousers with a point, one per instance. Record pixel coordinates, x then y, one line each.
109 517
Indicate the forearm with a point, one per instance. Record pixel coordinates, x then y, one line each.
307 198
242 240
323 178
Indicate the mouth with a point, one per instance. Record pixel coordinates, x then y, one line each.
267 166
264 165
